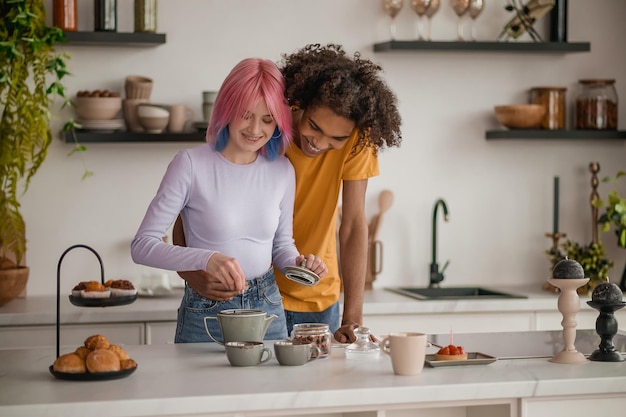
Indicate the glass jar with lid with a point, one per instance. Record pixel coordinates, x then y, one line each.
553 99
596 105
318 334
363 347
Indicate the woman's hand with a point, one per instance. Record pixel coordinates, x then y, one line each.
314 263
228 271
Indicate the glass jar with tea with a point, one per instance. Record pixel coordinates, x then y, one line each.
553 99
596 105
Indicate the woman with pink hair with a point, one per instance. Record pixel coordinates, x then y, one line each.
235 195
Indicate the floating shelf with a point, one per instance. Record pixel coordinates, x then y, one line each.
115 38
556 134
90 136
549 47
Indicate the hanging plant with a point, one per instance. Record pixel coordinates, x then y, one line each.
30 79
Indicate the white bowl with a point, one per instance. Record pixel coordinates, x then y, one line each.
154 124
152 110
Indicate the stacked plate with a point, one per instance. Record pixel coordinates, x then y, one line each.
106 125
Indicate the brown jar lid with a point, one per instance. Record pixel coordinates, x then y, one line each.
548 89
598 81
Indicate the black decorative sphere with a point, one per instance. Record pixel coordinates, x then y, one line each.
568 269
606 293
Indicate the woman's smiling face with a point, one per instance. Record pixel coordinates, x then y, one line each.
249 133
320 130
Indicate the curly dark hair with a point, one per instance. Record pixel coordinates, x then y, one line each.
319 75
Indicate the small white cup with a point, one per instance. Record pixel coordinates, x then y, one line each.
247 353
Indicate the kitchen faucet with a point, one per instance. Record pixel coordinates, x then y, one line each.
436 276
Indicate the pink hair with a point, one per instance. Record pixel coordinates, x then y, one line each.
250 80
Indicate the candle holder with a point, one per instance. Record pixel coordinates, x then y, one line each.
569 304
606 327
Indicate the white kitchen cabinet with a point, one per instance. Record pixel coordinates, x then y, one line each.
583 406
160 332
72 335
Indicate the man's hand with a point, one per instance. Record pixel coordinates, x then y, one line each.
207 286
345 334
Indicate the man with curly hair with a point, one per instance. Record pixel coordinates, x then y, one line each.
344 114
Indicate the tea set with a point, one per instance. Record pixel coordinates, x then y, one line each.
243 331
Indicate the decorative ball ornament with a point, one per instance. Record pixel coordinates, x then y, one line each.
606 293
568 269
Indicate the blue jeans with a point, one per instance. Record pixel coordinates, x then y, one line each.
262 294
329 316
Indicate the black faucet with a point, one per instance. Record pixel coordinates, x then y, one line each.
436 276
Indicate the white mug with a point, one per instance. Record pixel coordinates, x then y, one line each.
179 116
407 351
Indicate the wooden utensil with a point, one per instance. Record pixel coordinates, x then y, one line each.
385 200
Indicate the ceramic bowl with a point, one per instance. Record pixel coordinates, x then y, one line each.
98 108
520 116
154 124
152 110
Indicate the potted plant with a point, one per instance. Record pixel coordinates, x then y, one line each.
614 215
30 79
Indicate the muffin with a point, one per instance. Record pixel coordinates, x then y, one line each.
120 287
94 289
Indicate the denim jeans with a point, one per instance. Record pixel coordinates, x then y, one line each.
329 316
262 294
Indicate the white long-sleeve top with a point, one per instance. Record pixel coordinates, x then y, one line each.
243 211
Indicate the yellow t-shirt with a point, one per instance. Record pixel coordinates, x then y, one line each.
318 184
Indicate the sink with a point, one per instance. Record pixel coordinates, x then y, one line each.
452 293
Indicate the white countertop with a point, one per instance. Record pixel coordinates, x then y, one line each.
41 310
187 379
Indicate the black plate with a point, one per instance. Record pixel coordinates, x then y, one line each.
100 376
102 302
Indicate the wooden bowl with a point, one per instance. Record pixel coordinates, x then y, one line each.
12 283
520 116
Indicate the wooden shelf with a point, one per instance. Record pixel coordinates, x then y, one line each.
115 38
90 136
547 47
556 134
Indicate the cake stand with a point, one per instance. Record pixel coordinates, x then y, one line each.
86 302
606 327
569 304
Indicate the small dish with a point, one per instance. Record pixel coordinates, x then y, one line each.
100 376
102 302
473 358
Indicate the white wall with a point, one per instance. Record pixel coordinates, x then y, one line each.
499 192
